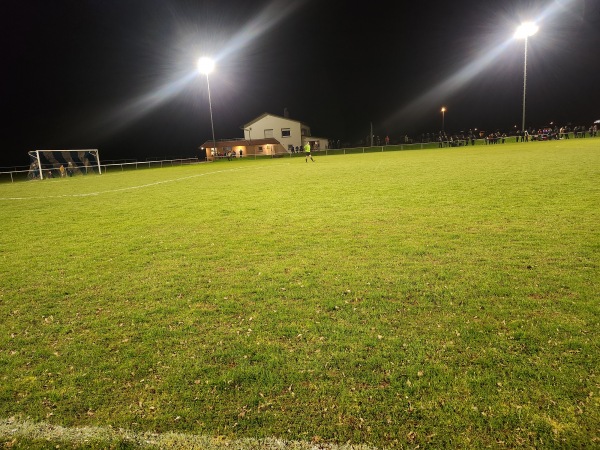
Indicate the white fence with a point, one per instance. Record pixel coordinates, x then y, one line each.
24 173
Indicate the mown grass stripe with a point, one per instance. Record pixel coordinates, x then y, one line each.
435 298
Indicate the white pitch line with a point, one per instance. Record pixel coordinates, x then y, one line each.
55 434
130 188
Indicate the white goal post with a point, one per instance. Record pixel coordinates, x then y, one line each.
66 162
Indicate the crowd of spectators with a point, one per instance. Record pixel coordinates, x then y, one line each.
531 134
464 138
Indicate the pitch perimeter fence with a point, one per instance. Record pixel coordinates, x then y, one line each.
24 174
367 149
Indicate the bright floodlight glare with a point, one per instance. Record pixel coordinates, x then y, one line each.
526 29
443 109
205 65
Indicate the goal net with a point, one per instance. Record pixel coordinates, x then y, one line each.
63 163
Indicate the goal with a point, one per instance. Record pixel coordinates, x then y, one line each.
63 163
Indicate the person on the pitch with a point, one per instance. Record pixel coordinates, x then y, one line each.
307 153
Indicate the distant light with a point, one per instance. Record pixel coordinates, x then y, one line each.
526 29
443 109
205 65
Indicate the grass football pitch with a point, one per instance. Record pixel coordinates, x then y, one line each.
444 298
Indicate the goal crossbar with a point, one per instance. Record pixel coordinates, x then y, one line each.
69 160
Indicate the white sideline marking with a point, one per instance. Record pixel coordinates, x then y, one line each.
130 188
14 429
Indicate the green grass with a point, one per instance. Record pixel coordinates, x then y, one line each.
437 298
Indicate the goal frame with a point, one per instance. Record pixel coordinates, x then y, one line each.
93 151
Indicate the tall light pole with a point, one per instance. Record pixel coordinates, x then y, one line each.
206 66
524 31
443 113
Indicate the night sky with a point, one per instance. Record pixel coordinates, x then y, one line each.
121 76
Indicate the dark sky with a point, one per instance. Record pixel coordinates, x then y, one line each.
121 76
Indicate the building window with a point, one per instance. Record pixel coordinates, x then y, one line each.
285 132
268 134
260 149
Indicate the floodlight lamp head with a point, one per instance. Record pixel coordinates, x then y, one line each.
443 109
205 65
526 29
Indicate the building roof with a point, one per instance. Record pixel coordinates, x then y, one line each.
263 115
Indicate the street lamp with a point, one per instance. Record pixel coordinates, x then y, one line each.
524 31
206 66
443 112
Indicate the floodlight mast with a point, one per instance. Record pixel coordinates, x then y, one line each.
524 31
205 66
443 114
